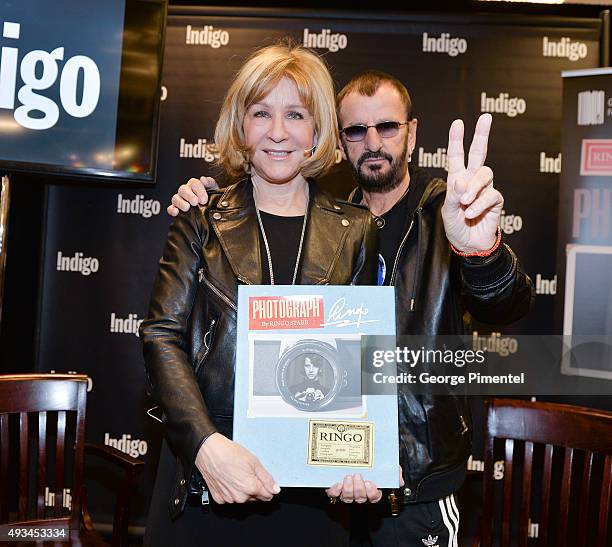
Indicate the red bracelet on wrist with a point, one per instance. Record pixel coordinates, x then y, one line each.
482 254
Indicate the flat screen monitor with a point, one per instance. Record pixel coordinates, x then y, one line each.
80 88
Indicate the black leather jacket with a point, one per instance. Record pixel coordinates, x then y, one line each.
433 289
189 335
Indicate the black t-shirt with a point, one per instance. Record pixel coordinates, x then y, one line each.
392 228
283 234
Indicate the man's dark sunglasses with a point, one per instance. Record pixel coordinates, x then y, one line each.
386 130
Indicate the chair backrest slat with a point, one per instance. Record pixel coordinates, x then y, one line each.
23 465
42 465
507 505
59 462
4 463
526 495
564 498
583 510
604 503
79 455
545 499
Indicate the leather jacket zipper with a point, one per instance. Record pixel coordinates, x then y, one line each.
399 251
216 291
209 333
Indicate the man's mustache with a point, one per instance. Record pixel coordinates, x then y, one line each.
373 156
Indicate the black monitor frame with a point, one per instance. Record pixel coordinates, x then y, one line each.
135 10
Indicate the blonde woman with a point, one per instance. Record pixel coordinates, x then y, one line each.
277 130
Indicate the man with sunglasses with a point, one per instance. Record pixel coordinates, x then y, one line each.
440 246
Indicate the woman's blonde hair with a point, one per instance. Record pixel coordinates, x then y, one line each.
257 77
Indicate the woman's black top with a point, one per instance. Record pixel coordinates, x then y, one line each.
283 234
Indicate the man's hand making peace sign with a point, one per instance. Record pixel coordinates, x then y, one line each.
472 208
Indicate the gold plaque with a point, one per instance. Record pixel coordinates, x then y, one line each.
335 443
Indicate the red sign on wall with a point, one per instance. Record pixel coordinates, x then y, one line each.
596 157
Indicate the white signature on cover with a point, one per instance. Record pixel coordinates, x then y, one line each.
340 315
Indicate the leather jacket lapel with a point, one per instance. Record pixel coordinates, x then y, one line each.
325 236
235 222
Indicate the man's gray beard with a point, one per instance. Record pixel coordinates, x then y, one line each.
374 182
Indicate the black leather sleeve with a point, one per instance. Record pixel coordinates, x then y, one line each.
165 338
366 271
497 290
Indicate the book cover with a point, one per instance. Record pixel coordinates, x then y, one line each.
299 404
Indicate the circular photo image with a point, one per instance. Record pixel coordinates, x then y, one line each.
308 375
311 369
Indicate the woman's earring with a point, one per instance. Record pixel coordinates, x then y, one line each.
314 145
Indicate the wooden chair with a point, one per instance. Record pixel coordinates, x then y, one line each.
42 438
548 439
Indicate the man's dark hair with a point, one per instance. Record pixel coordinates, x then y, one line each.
367 83
314 359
